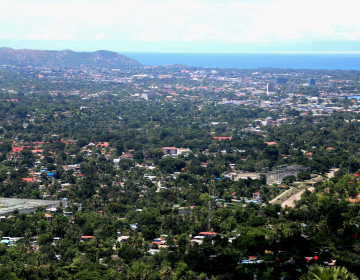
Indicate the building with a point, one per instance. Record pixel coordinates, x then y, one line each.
312 82
223 138
123 239
293 87
169 150
27 206
256 195
144 96
87 237
185 210
280 80
126 156
207 233
270 88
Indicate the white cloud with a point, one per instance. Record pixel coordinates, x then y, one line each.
55 31
181 20
99 36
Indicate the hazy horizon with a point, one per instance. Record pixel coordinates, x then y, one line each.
199 26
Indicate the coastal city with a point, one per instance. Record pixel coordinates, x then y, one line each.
179 140
123 168
316 92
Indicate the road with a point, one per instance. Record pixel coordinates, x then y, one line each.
280 195
290 201
159 186
331 172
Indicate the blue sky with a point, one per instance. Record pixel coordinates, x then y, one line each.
182 25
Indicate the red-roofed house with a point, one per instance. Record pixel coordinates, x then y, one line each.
159 241
271 143
223 138
18 149
87 237
256 195
28 180
126 156
206 233
102 144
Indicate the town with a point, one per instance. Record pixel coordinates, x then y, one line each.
178 171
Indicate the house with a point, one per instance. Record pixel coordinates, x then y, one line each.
207 233
123 239
271 143
185 210
197 239
159 241
183 151
256 195
87 237
153 251
222 138
102 144
48 217
28 180
68 214
116 161
169 150
133 226
10 241
126 156
51 174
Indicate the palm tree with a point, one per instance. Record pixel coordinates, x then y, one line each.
317 272
166 273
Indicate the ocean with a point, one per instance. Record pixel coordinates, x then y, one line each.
252 61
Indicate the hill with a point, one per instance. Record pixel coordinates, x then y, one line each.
65 58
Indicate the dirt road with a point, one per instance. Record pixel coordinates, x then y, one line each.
158 186
331 172
280 195
290 201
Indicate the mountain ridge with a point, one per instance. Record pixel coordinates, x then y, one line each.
64 58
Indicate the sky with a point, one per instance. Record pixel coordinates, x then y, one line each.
228 26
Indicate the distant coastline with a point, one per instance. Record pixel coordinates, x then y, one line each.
328 61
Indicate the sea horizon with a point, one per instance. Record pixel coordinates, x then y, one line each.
286 60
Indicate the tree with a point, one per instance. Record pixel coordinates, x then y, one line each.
317 272
119 146
82 142
303 176
290 179
138 155
263 179
166 272
183 240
